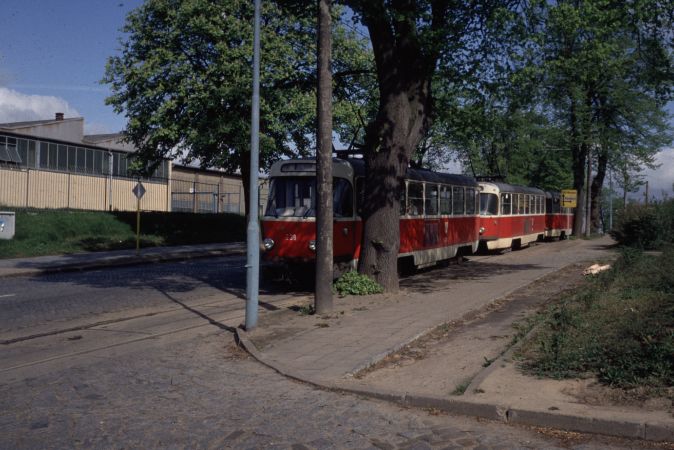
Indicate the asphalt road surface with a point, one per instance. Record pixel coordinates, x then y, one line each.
143 357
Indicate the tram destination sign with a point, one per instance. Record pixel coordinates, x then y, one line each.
569 198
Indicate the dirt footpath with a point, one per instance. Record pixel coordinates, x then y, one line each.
445 361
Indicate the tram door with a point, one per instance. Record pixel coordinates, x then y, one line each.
343 233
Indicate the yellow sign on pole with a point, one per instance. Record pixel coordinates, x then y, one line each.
569 198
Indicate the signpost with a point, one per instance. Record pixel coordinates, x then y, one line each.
138 190
569 198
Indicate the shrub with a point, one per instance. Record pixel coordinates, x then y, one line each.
645 226
353 283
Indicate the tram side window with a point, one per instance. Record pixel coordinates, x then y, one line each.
458 201
506 204
470 201
532 209
403 199
431 202
415 197
445 200
556 206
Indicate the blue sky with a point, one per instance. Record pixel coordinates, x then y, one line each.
57 50
53 55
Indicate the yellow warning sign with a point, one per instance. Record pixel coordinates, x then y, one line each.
569 198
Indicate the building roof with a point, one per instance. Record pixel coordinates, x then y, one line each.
32 123
94 138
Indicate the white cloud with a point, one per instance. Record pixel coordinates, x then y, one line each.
18 107
661 179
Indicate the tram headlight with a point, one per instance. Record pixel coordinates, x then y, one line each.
268 243
312 246
481 230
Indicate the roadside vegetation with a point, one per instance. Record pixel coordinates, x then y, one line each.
50 232
647 227
618 328
354 283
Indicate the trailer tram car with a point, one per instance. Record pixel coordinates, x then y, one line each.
439 214
510 216
558 219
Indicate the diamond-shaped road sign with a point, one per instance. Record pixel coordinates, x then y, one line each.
139 190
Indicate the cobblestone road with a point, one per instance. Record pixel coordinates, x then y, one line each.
199 391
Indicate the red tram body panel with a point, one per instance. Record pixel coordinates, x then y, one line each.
510 215
558 219
438 213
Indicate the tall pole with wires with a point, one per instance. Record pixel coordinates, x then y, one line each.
324 216
253 231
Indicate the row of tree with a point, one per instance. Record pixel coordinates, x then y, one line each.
526 89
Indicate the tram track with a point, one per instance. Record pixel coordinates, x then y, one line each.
86 339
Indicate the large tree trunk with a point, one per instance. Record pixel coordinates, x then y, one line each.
597 184
390 142
404 72
578 159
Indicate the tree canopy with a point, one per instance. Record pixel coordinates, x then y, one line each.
184 74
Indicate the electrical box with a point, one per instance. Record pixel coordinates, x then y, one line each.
7 226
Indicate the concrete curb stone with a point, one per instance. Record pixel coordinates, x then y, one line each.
484 410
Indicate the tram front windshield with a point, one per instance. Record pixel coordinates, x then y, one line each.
296 197
488 205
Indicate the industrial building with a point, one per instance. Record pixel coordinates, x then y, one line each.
53 164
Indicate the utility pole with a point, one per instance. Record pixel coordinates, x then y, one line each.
324 213
646 194
610 200
588 196
253 231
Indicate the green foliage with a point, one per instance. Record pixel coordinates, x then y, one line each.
50 232
184 75
353 283
645 226
620 328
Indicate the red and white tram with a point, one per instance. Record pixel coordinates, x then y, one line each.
558 219
510 216
439 214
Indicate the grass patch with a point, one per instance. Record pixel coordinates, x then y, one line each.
50 232
619 328
460 388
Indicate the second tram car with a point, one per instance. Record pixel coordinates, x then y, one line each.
558 219
511 216
439 214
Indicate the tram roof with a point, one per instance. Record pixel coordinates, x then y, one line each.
517 189
307 166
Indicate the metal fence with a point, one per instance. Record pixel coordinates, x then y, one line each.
193 196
